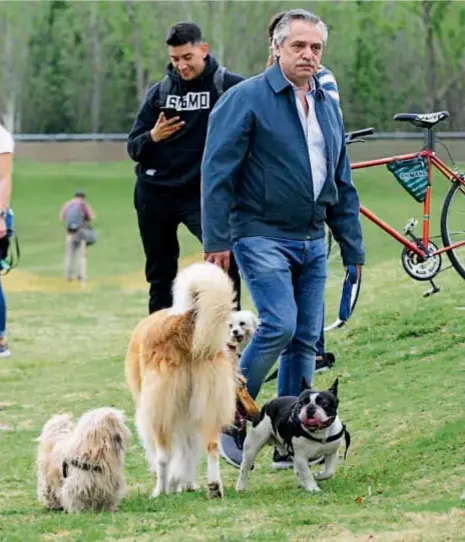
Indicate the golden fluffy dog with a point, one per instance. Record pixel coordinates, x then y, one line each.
182 379
81 466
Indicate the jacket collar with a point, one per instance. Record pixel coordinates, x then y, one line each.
278 82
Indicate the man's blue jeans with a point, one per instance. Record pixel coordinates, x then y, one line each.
286 280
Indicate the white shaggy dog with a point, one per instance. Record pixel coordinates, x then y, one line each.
81 466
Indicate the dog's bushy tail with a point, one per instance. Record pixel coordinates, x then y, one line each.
207 290
56 426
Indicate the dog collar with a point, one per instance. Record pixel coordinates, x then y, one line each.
332 438
83 465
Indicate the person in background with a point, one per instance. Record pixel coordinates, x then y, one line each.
6 170
77 215
167 142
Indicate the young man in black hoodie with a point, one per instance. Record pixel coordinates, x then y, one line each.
167 142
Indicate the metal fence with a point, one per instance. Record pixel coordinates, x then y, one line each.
123 137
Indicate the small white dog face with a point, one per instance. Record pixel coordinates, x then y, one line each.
242 326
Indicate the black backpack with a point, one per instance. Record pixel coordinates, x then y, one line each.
166 85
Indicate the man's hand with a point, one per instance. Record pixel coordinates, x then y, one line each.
165 127
221 259
2 228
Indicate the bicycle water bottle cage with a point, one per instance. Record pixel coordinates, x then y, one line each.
412 175
422 120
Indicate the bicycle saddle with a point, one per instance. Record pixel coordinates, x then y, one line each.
423 120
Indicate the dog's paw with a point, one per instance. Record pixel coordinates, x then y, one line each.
192 486
313 489
215 490
156 493
322 475
240 487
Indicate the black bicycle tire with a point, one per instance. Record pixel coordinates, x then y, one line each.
444 229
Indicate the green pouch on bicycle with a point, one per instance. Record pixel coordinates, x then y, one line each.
412 175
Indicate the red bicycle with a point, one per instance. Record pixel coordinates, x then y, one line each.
421 257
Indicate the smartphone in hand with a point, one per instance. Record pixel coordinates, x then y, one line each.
170 112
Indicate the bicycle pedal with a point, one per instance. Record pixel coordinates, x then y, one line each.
433 290
410 226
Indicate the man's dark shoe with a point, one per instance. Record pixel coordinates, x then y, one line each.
232 443
282 461
287 461
325 362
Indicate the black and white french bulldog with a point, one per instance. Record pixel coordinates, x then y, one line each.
307 426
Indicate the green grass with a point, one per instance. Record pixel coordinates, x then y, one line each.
400 360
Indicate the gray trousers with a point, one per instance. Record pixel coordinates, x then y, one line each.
76 256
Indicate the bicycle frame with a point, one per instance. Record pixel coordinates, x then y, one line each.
445 170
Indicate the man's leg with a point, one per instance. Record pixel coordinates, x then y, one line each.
324 360
320 343
309 285
158 222
190 215
69 256
266 265
82 260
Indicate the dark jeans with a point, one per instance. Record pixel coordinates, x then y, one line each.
159 213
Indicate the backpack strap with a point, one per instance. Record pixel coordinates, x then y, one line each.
218 80
165 87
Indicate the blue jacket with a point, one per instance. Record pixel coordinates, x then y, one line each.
256 175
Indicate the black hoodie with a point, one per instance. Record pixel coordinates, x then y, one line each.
175 162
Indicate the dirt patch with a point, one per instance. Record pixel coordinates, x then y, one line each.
61 534
22 281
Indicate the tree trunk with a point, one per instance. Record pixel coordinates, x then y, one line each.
97 69
8 77
136 41
432 102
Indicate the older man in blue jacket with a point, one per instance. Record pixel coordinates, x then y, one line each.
274 170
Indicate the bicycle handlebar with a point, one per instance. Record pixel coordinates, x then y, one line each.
350 137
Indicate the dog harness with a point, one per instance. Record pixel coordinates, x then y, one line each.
332 438
83 465
298 431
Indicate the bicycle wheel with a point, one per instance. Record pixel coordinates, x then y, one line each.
453 226
335 293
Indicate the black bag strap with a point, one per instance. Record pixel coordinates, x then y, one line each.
218 80
166 85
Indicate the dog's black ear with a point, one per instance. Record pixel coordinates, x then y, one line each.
333 389
305 384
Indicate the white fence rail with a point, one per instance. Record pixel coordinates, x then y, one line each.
123 137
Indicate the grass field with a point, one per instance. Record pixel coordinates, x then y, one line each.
401 362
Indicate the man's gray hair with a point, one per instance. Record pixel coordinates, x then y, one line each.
281 32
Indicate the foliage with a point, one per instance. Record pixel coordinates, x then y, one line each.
71 66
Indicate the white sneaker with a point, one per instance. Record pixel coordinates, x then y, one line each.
4 351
